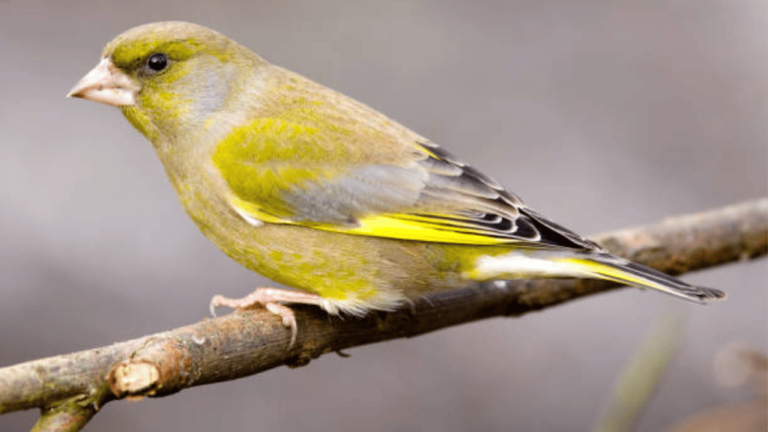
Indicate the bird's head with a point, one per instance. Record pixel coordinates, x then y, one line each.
168 77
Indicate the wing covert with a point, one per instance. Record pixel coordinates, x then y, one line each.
432 197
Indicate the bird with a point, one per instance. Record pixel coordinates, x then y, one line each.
324 194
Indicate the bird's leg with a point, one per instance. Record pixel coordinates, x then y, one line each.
270 298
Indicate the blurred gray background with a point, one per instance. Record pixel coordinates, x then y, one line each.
601 114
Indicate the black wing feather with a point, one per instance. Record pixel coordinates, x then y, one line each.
495 212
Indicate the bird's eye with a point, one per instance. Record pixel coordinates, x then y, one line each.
157 62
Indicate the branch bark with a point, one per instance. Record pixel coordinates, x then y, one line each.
70 389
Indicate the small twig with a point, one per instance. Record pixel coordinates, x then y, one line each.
71 388
68 417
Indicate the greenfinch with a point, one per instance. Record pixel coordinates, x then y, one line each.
322 193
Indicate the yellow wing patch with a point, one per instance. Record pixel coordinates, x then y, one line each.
426 228
420 228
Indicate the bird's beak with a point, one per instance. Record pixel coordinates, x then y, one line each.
107 84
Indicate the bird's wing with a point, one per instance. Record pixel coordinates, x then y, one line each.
432 197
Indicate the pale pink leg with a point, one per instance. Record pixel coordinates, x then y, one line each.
269 298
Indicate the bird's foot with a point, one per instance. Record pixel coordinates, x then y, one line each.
270 298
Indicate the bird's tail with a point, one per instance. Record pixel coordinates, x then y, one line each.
610 267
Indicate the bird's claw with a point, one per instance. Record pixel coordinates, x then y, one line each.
268 298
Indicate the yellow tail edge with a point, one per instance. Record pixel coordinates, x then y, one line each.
615 269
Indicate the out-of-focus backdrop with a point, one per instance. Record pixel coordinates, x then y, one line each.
601 114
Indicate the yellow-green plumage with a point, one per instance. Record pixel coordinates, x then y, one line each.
322 193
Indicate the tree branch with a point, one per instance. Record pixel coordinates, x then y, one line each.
71 388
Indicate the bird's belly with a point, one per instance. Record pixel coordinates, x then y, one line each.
356 272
